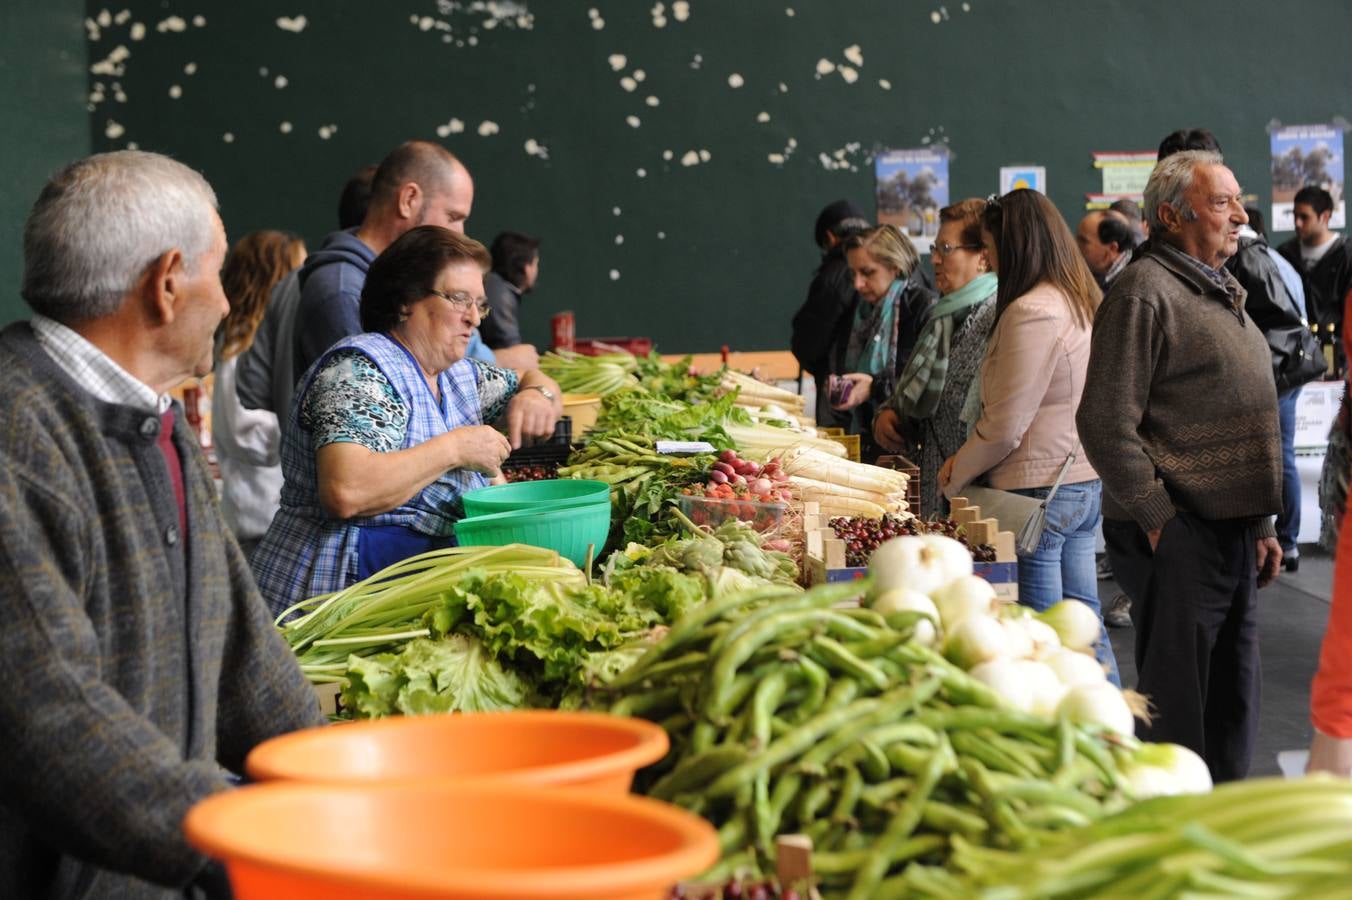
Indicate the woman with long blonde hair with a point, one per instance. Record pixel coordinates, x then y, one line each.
248 441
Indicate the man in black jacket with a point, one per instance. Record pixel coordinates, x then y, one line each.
1324 259
821 327
1276 303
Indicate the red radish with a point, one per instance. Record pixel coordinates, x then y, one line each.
727 456
717 476
761 486
737 480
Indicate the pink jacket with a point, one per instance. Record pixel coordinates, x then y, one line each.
1031 381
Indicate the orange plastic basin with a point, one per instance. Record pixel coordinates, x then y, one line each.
536 747
467 842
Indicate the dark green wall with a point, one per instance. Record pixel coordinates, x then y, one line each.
1003 82
43 120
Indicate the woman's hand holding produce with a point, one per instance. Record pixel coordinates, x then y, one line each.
946 472
887 430
479 448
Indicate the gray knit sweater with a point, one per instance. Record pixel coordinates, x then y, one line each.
1179 410
132 670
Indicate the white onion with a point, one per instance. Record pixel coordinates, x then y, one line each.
1074 668
1075 623
1156 770
1098 704
964 597
924 633
919 563
1045 689
905 600
1020 644
976 640
1003 677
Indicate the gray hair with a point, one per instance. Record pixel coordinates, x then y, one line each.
101 221
1171 180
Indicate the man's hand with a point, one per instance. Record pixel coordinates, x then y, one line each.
887 430
1269 560
530 414
1330 754
946 472
1154 538
522 357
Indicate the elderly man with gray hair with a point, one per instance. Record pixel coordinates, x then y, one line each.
139 658
1179 418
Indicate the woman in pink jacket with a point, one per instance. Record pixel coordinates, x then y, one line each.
1022 411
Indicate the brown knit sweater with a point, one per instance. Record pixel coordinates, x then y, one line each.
1179 410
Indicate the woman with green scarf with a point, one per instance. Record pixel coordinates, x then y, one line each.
888 321
923 417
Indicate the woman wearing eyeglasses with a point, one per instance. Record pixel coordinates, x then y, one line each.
923 417
389 427
1023 411
893 308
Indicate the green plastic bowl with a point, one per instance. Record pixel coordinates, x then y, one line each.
559 493
568 531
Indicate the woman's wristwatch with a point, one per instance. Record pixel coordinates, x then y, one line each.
548 394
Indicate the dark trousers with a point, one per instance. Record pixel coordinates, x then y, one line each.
1194 605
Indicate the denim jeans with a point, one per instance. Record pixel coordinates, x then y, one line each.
1064 565
1288 522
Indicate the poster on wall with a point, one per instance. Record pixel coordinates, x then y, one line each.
1124 176
1013 178
1301 155
912 186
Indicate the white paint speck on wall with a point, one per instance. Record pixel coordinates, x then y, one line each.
854 54
628 84
175 91
633 121
138 31
680 10
294 25
884 84
619 239
825 67
113 130
615 210
280 82
190 69
617 62
735 80
614 274
652 101
690 158
228 137
487 128
284 128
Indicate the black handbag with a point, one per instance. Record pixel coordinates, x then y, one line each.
1302 359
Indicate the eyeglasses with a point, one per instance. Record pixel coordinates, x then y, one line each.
945 248
462 302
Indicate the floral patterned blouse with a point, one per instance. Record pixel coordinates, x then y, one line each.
351 400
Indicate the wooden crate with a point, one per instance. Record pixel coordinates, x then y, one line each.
825 553
912 473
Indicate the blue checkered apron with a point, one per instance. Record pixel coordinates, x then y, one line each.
306 552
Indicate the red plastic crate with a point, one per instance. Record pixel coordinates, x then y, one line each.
638 346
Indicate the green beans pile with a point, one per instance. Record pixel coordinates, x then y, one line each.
1260 838
790 715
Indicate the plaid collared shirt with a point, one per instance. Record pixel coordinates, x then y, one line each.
93 369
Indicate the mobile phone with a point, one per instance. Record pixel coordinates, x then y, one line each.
838 389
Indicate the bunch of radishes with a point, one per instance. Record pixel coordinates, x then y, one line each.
747 479
1039 663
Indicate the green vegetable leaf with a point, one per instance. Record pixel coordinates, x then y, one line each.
454 674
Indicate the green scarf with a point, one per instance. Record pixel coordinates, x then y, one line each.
922 381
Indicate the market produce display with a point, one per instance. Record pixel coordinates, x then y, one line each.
864 535
533 472
1259 838
844 488
790 715
580 374
732 545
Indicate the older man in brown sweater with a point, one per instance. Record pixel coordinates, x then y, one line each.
1179 418
138 658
